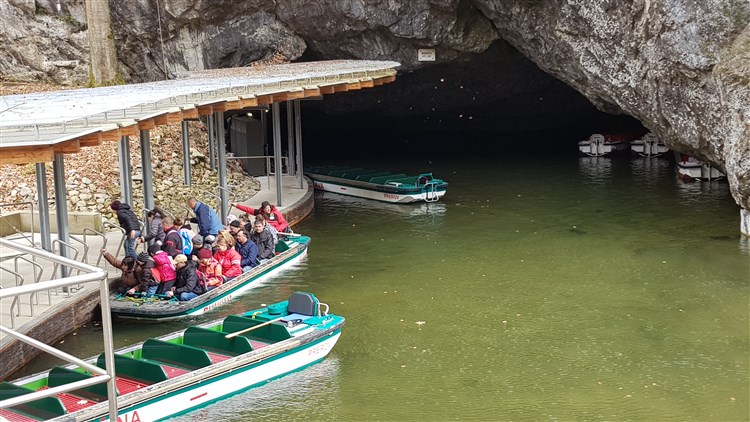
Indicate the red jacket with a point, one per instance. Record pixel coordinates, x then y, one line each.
165 266
276 218
230 262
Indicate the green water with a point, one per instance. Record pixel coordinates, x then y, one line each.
538 289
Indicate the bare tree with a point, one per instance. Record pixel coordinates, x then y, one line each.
102 54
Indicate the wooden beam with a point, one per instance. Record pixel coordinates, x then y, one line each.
342 87
27 155
327 89
296 94
249 102
279 97
234 105
264 99
161 120
222 106
131 130
67 147
92 140
111 135
147 124
175 117
312 92
190 113
367 83
389 79
353 86
205 110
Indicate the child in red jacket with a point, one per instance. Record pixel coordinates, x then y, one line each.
165 266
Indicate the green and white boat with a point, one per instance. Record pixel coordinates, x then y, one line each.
378 185
289 252
186 370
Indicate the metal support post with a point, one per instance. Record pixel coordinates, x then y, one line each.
148 179
277 150
186 152
221 148
264 134
41 190
298 139
290 164
61 205
126 170
211 141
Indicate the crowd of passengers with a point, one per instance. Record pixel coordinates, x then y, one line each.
182 264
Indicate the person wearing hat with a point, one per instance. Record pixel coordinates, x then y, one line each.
197 247
273 216
129 222
149 284
187 286
211 268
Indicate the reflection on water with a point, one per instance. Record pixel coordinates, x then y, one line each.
353 203
595 169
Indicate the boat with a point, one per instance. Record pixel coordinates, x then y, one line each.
648 146
379 185
599 144
289 251
179 372
690 169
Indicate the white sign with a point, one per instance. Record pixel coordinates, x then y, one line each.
426 55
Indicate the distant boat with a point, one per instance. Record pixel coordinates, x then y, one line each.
648 146
185 370
599 144
690 169
378 185
155 308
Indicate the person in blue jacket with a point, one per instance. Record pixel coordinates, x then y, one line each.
206 218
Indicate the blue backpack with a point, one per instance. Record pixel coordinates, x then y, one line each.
187 241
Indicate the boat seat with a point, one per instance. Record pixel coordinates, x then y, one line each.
15 416
60 376
303 303
281 247
216 341
270 333
386 178
135 369
179 355
44 408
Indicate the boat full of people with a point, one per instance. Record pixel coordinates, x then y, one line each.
180 372
290 250
379 185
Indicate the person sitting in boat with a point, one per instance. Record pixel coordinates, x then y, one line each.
128 278
165 268
197 247
273 216
247 249
234 227
187 286
210 268
226 237
149 283
206 218
172 240
229 259
263 239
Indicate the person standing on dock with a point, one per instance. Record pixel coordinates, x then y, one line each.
206 218
129 223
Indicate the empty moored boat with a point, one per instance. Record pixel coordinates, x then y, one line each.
186 370
378 185
649 145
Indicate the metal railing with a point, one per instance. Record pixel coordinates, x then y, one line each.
269 169
19 231
91 274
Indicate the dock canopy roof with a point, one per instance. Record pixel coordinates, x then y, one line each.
33 127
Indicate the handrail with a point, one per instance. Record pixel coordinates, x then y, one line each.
122 239
16 300
37 278
92 274
32 220
104 243
57 264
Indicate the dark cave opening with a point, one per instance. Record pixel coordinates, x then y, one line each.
496 102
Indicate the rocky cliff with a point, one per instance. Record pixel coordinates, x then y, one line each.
681 67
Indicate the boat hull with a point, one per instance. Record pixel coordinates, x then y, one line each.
379 194
125 308
221 386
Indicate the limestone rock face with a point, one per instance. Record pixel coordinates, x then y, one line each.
680 67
